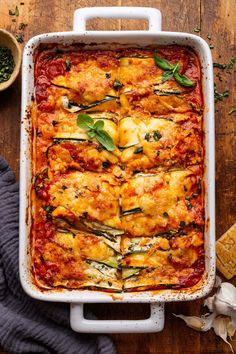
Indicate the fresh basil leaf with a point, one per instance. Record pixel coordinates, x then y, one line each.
167 75
91 134
183 80
176 68
162 63
104 139
98 125
85 122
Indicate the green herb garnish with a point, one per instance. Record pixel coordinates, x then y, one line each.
183 80
68 65
219 76
167 75
14 13
197 29
230 64
209 36
19 37
233 110
157 135
117 84
47 208
220 66
6 64
219 96
189 205
95 131
172 71
22 26
163 63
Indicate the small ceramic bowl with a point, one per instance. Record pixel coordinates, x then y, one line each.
9 41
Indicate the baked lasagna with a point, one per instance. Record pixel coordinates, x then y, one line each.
130 217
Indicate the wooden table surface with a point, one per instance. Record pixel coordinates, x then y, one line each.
215 18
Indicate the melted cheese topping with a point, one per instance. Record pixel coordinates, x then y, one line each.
161 199
150 142
86 195
129 219
90 80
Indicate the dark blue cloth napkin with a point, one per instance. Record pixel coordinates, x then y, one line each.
28 325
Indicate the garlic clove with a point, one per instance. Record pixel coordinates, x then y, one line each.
220 328
230 328
233 317
192 321
203 323
209 302
222 303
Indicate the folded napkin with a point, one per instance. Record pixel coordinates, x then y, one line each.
28 325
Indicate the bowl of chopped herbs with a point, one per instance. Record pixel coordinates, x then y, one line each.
10 59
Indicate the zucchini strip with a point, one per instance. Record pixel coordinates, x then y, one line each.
129 272
131 211
88 226
107 270
166 93
111 263
74 107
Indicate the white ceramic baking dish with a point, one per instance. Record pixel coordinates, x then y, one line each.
112 39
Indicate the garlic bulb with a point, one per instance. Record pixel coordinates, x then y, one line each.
224 301
222 318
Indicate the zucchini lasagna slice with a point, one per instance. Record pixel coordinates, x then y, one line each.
163 260
156 203
85 198
134 101
73 150
77 261
71 154
88 77
65 126
151 142
154 88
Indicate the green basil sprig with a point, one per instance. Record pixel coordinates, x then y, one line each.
95 131
172 71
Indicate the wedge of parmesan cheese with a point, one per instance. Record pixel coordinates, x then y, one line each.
226 253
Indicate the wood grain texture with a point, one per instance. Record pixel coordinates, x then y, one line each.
216 18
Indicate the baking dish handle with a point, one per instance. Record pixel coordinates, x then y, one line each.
154 323
146 13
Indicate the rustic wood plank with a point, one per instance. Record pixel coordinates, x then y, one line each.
218 21
216 17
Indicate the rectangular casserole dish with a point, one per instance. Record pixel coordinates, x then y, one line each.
104 40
